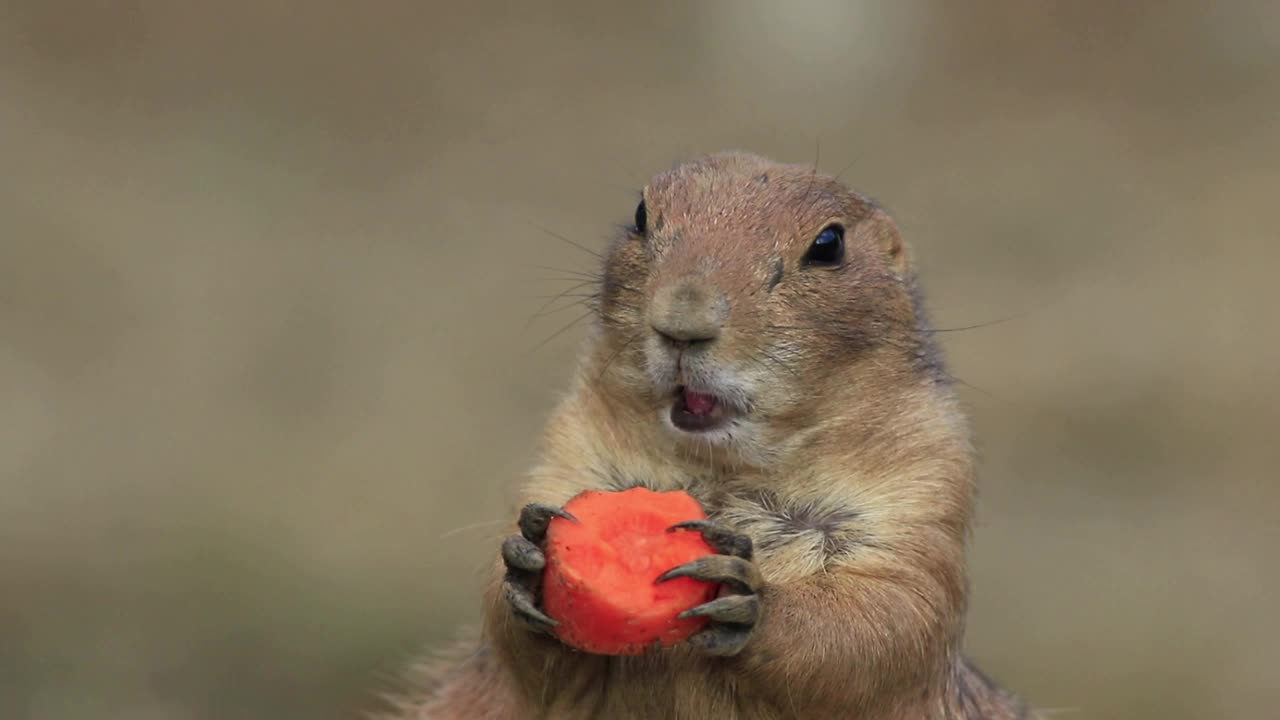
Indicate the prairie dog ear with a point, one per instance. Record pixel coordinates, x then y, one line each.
881 231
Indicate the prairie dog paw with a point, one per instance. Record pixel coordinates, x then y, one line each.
734 614
524 559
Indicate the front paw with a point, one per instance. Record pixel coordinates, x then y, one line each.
733 616
522 554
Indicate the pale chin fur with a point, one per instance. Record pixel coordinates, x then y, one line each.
737 443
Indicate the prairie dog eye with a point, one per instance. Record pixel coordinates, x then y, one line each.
827 249
642 218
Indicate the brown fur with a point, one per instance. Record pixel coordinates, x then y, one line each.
852 472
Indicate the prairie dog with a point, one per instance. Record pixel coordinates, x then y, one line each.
760 343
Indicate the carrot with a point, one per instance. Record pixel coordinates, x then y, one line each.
599 580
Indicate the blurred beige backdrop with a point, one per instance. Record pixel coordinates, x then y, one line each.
268 365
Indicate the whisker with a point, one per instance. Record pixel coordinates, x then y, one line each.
975 388
576 288
472 526
926 331
976 326
548 312
845 169
568 292
813 178
577 291
627 288
614 356
566 240
563 330
584 274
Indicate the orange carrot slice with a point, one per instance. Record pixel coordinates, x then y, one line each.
599 580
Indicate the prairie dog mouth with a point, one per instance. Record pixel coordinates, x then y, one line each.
697 411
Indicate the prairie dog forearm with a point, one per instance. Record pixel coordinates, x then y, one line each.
888 638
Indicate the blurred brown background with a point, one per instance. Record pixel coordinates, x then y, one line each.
267 370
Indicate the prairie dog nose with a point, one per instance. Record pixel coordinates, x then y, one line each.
688 312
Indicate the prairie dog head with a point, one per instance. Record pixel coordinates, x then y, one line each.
737 305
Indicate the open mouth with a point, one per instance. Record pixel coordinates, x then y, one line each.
695 411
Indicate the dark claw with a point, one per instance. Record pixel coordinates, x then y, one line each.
719 537
739 574
535 517
722 640
521 554
524 608
731 609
